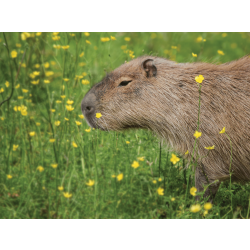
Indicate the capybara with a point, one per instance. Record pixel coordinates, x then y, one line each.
161 95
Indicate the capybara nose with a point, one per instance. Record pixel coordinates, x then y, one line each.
88 104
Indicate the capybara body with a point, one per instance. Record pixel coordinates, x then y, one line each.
160 95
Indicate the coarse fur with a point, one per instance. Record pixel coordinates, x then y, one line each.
161 95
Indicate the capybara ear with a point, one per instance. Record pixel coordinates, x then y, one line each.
149 67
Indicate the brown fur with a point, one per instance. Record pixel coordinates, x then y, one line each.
163 97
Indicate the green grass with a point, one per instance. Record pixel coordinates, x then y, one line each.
98 155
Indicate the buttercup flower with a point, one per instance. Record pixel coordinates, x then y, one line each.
54 165
81 116
160 191
40 169
223 131
88 130
85 82
209 148
141 158
67 195
199 78
113 38
195 208
7 84
186 153
193 191
9 176
74 144
154 181
60 188
127 39
208 206
127 142
13 54
98 115
88 42
65 47
119 177
172 199
82 54
86 33
160 179
194 55
52 140
135 164
46 65
197 134
220 52
70 102
57 123
174 159
15 147
78 123
32 133
46 81
69 107
38 123
90 183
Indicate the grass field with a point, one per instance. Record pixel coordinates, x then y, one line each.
52 165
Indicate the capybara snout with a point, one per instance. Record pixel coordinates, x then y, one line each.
160 95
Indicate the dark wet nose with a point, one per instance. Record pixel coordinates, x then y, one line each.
88 104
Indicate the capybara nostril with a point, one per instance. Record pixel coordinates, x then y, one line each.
89 109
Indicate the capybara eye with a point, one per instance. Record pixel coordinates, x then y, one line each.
124 83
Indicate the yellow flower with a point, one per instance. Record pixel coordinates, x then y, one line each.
35 82
78 123
65 47
135 164
85 82
224 34
19 97
36 73
38 123
197 134
195 208
7 84
209 148
141 158
127 39
56 46
160 191
56 38
57 123
9 176
105 39
113 38
154 181
40 169
54 165
25 35
15 147
220 52
58 101
186 153
81 116
60 188
25 90
81 64
88 42
38 33
74 144
172 199
119 177
70 102
2 118
18 45
193 191
208 206
223 131
173 47
127 142
23 110
23 65
49 73
205 213
52 110
69 107
84 74
86 33
174 159
53 63
160 179
55 33
98 115
1 90
63 96
199 78
66 119
72 34
17 86
66 79
32 133
199 39
67 195
90 183
46 65
52 140
88 130
82 54
37 65
13 54
113 176
194 55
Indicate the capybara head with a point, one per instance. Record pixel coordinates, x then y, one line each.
163 96
124 95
